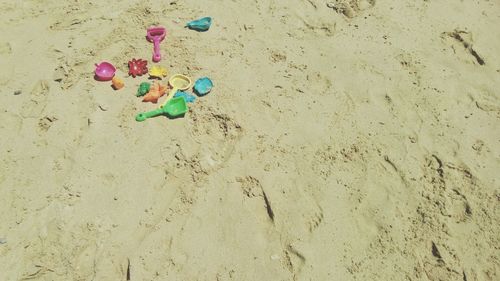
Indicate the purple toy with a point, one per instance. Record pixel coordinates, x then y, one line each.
104 71
156 35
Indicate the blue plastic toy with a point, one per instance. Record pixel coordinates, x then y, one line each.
187 97
202 24
203 86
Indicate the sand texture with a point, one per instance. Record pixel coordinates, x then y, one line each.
343 140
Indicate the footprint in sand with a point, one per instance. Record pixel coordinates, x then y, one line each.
252 187
45 123
294 260
34 107
486 100
462 44
350 8
218 132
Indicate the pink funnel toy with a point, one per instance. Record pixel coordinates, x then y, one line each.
156 35
104 71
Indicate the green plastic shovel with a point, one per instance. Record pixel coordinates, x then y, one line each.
174 108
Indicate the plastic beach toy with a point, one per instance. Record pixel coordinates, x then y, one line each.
104 71
158 72
188 97
117 83
143 89
156 34
177 82
155 92
174 108
203 86
137 67
202 24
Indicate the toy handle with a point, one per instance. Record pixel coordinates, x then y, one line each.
156 50
169 96
145 115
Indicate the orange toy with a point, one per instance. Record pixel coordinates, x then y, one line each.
117 83
155 92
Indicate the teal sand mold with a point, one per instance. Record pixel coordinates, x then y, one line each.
203 86
202 24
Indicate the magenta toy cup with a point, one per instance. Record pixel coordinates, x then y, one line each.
156 35
104 71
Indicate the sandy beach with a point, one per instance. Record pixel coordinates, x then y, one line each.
343 140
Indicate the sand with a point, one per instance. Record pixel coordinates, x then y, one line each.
343 140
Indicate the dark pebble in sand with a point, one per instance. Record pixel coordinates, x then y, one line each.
18 92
